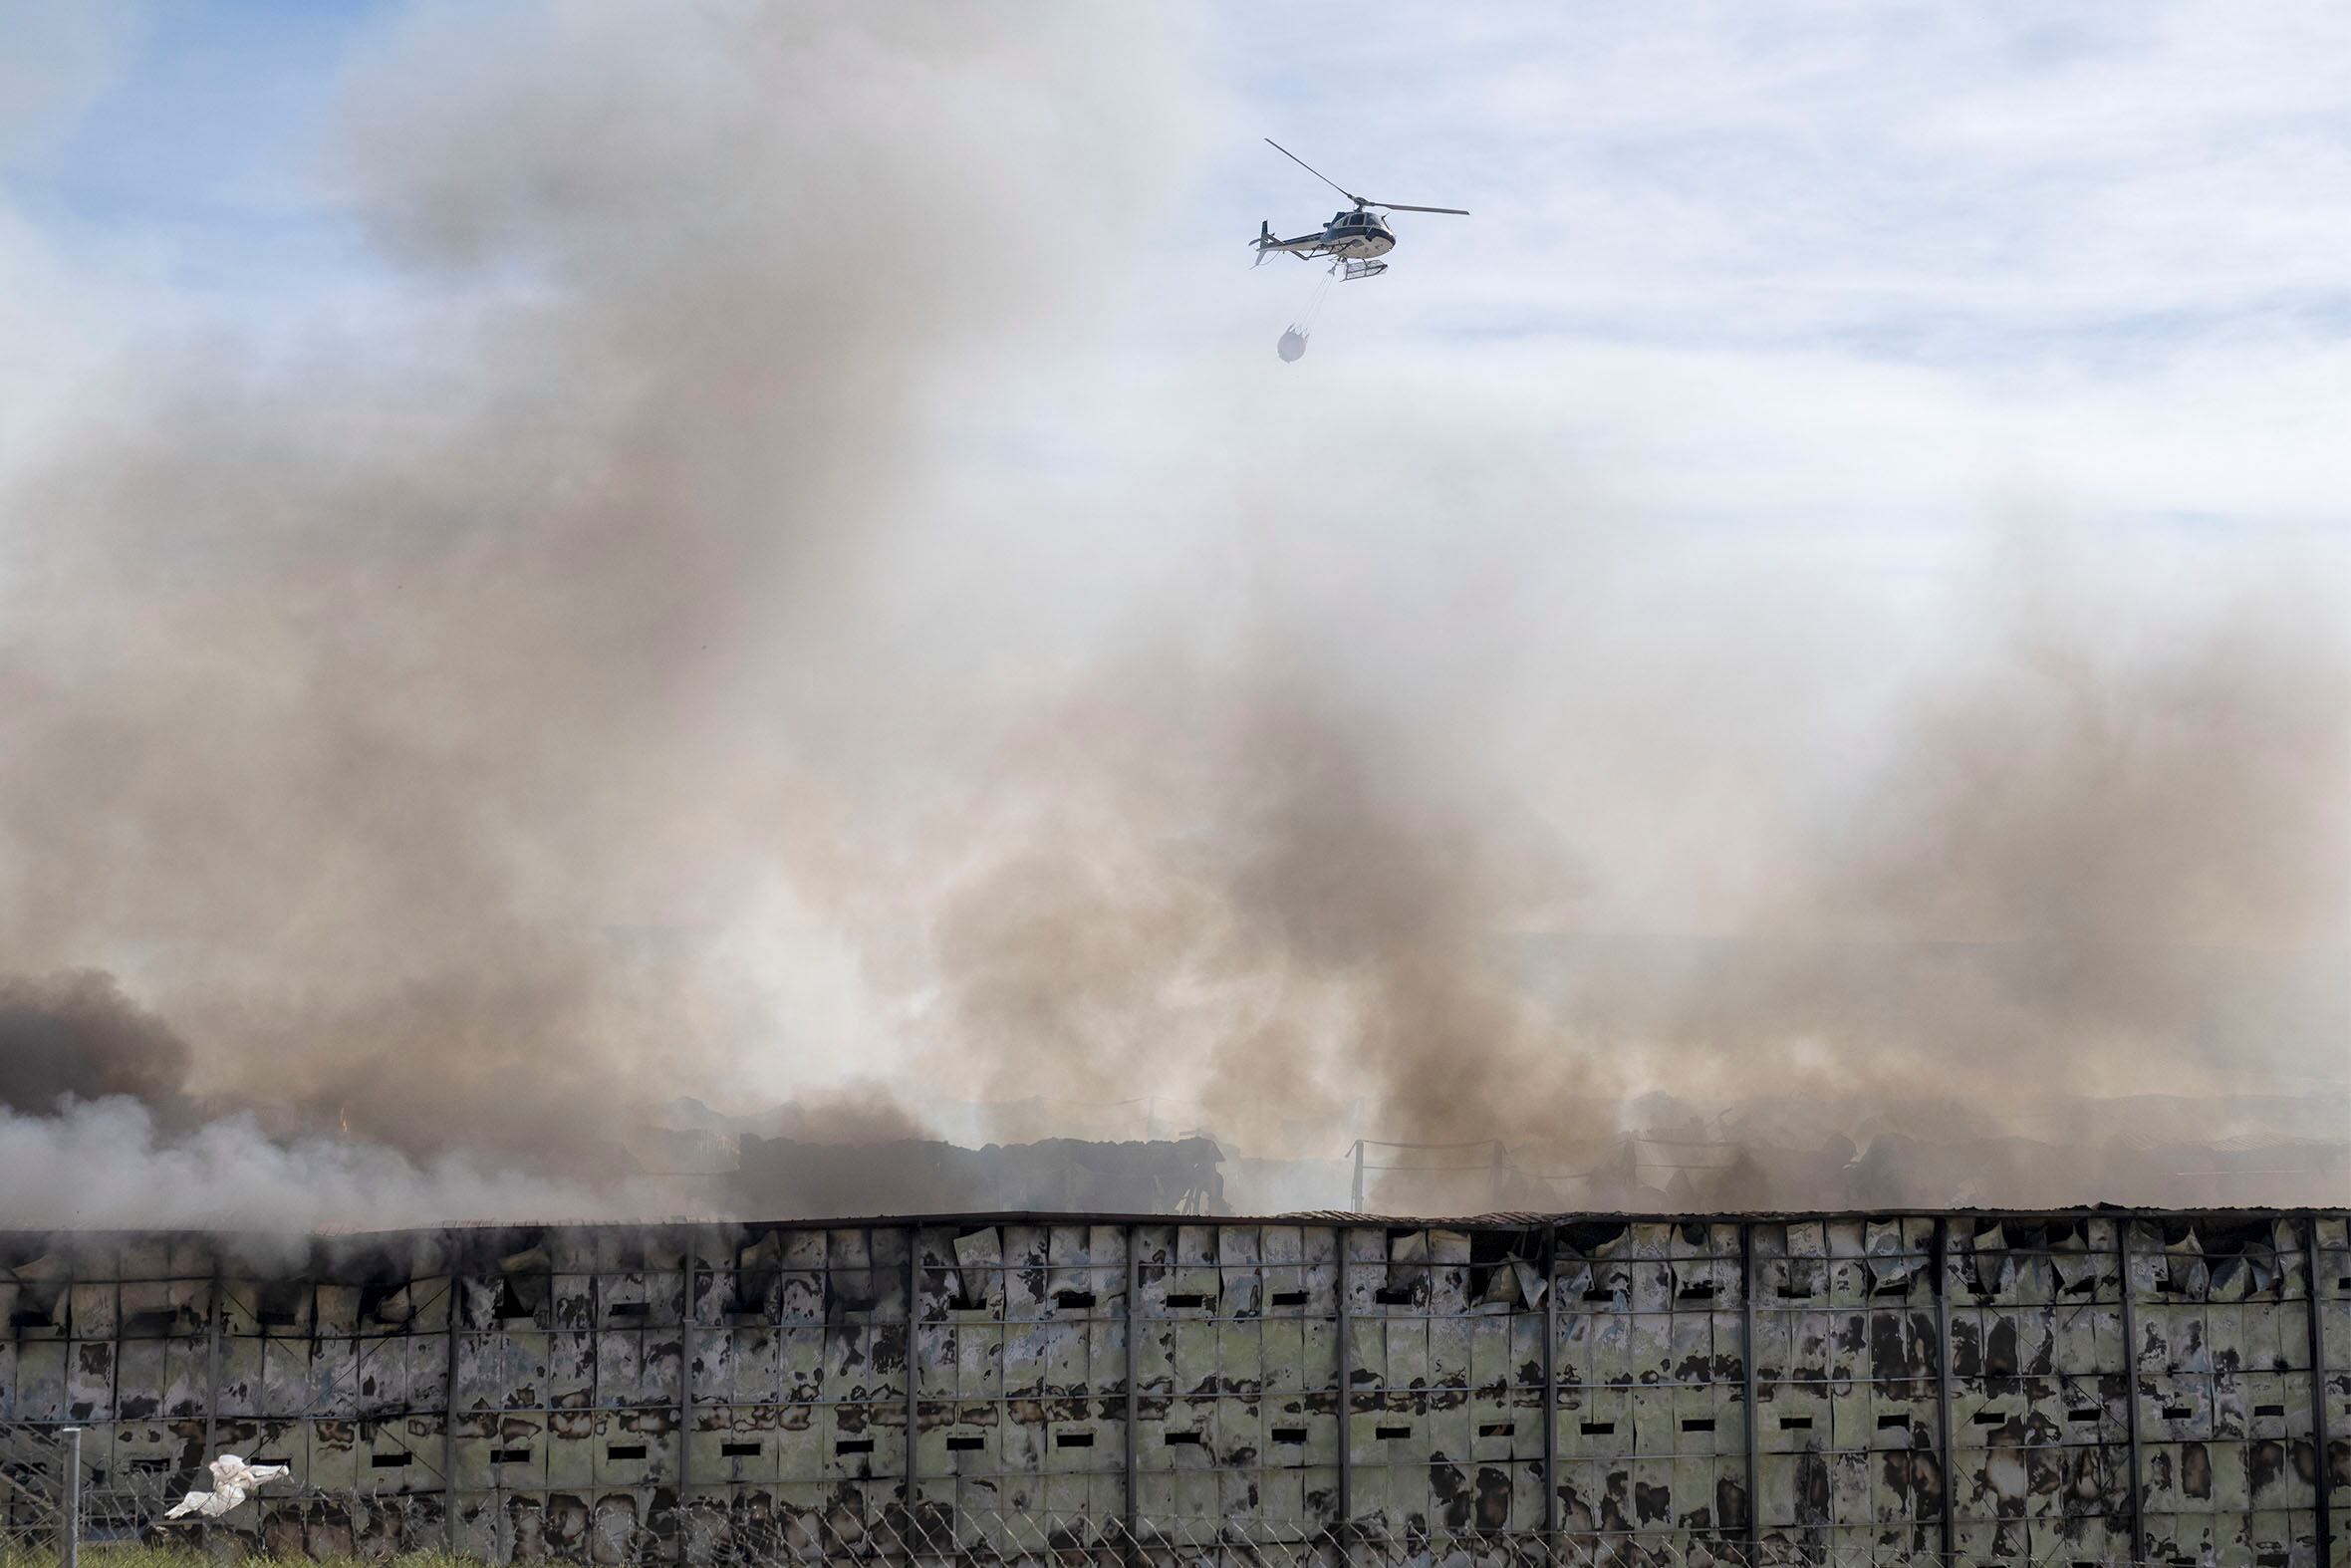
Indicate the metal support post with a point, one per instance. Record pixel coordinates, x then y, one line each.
1339 1235
457 1300
213 1330
1133 1396
2319 1456
685 1392
1942 1374
1551 1391
1747 1357
2122 1247
1354 1198
69 1525
914 1359
213 1361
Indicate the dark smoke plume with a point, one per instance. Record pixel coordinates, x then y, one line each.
396 720
76 1036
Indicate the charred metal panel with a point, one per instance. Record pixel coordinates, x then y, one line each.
2331 1405
1848 1362
565 1385
2040 1426
2229 1469
1236 1367
1651 1363
799 1393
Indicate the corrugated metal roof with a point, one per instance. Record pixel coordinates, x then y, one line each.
1493 1220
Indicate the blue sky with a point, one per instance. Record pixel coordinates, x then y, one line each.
1953 226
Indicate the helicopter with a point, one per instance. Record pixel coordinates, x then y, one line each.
1353 240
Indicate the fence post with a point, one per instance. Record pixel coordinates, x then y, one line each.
1749 1421
913 1369
2320 1458
69 1516
687 1351
1551 1391
1133 1522
1947 1523
1340 1235
452 1313
2122 1249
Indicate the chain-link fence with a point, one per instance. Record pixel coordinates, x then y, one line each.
55 1510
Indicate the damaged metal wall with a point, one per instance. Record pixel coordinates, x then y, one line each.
1988 1385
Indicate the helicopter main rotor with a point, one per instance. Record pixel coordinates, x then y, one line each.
1361 202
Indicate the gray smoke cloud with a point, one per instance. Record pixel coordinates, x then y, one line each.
385 718
426 729
76 1036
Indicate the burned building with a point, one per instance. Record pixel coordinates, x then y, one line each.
2089 1387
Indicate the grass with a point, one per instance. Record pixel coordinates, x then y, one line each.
116 1554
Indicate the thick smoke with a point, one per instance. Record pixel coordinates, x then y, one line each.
106 1165
394 720
74 1036
2077 857
445 725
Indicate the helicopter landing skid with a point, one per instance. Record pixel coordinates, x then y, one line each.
1349 271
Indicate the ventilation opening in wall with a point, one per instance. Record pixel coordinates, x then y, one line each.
1699 1423
1893 1287
1893 1423
966 1301
1599 1293
152 1323
1495 1429
1796 1423
738 1450
388 1461
1599 1429
2081 1415
624 1450
30 1318
866 1444
2272 1559
1703 1290
1186 1298
1072 1440
274 1458
1066 1299
2178 1412
510 1456
1177 1440
1794 1294
1289 1298
748 1294
1289 1436
966 1445
276 1317
2269 1409
626 1309
1393 1296
1991 1419
1390 1433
